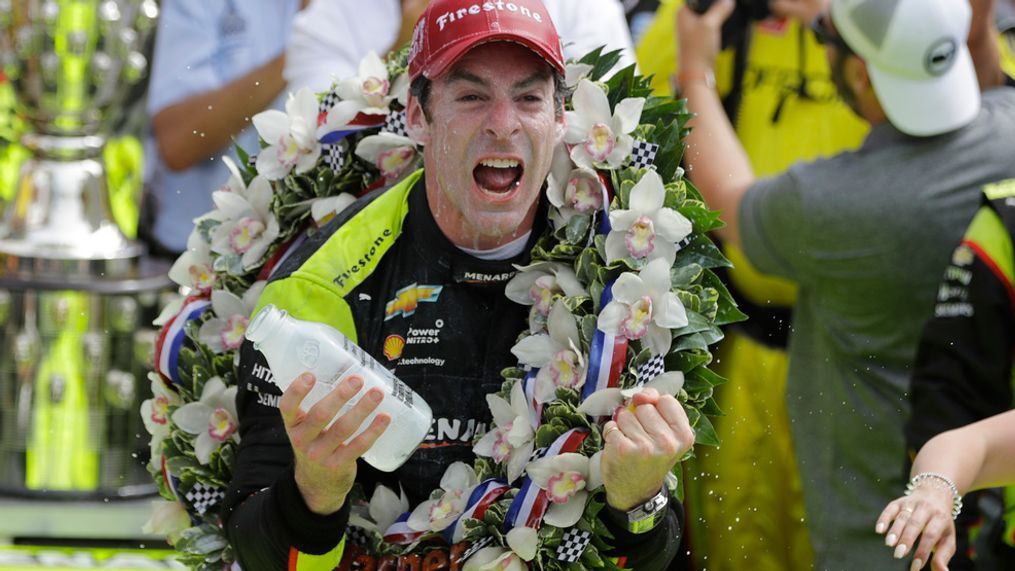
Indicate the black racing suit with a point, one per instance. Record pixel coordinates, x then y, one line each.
963 369
385 275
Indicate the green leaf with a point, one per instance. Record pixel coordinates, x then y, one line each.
727 312
682 276
703 252
577 229
692 341
687 360
704 432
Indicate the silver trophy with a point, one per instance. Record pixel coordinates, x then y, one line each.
71 63
74 292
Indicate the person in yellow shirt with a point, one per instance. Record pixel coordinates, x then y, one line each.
745 497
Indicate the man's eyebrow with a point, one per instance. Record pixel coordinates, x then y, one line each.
457 75
531 80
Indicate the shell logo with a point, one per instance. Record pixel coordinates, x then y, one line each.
393 346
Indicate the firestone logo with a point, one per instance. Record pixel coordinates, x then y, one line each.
475 9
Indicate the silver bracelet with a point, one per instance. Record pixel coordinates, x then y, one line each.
941 478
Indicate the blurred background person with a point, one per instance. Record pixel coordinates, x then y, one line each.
331 37
973 457
864 234
216 64
963 370
776 89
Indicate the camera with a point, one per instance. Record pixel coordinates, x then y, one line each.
752 9
734 30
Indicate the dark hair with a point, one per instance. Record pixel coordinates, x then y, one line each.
420 88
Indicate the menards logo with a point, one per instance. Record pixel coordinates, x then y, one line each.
408 299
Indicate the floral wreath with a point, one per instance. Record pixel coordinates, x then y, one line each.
622 297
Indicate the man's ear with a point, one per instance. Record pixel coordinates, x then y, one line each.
561 120
417 124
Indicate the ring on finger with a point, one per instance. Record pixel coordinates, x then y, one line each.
610 430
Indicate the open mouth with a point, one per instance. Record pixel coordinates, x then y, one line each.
498 176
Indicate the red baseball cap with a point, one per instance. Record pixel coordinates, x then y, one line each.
450 28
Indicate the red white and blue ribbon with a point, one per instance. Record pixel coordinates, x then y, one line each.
482 497
607 355
281 254
530 504
535 408
400 532
170 340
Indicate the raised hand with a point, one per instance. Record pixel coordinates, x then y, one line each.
325 462
642 444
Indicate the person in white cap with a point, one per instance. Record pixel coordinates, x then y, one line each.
866 234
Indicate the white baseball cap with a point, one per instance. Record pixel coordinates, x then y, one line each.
917 59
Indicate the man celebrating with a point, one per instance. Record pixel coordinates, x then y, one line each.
866 234
423 267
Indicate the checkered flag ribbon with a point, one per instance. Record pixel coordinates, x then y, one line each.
649 369
329 101
334 155
476 546
643 154
203 497
573 545
396 123
358 536
538 453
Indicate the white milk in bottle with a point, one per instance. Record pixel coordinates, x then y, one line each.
293 346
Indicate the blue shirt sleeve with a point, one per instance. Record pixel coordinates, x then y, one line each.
185 47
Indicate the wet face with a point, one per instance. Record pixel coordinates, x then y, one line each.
488 143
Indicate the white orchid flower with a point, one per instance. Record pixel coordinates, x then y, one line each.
168 519
436 515
370 93
170 310
567 479
572 190
155 413
248 227
212 418
523 542
600 139
224 332
322 210
556 353
647 230
605 402
384 508
574 72
539 285
194 268
291 136
235 181
393 155
512 439
644 308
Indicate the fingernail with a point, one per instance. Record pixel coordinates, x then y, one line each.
891 539
355 382
376 395
900 551
306 379
881 527
917 565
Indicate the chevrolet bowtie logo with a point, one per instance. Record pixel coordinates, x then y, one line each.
408 298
